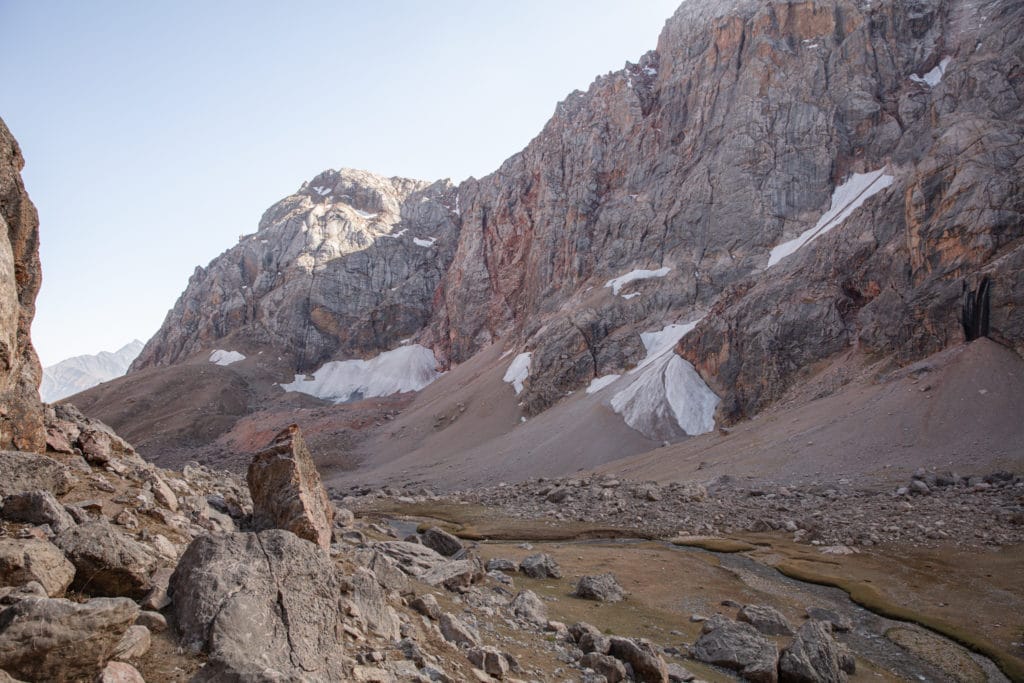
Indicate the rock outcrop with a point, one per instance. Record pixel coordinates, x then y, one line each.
21 417
287 492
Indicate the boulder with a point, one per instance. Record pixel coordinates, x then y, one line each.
135 643
489 660
540 566
765 619
52 639
431 567
107 561
33 559
601 587
259 603
37 507
287 492
527 605
594 642
120 672
441 541
21 472
426 605
378 616
814 656
500 564
457 631
739 647
384 568
611 668
648 666
838 621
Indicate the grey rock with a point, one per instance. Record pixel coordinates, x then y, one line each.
259 603
441 541
107 561
52 639
12 594
287 492
527 605
33 559
489 660
154 621
120 672
380 618
839 622
648 666
765 619
384 568
738 647
135 643
679 674
37 507
540 566
601 587
581 628
814 656
594 642
457 631
21 472
426 605
431 567
611 668
500 564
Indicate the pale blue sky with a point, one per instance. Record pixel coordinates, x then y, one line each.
156 132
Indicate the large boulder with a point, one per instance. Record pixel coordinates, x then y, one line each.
264 606
33 472
372 605
37 507
441 541
33 559
648 666
107 561
765 619
46 639
814 656
738 647
429 566
601 587
287 492
540 566
527 605
21 412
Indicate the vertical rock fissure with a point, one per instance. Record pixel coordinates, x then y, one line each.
280 605
975 316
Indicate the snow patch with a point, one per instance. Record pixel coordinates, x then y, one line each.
933 77
396 235
599 383
518 371
407 368
365 214
667 394
322 191
424 243
222 357
845 199
627 297
632 276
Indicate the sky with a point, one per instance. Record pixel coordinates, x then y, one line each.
155 133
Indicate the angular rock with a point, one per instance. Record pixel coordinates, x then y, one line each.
540 566
527 605
287 492
120 672
611 668
157 598
594 642
426 605
107 561
738 647
489 660
814 656
765 619
431 567
135 643
838 622
49 639
379 617
441 541
21 472
457 631
601 587
648 666
154 621
257 603
37 507
12 594
384 568
34 559
163 493
581 628
500 564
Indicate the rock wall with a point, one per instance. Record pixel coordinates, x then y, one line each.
21 414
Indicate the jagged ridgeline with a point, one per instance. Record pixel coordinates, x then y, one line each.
802 178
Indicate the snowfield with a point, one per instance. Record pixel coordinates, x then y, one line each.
933 77
668 393
222 357
632 276
407 368
846 198
518 371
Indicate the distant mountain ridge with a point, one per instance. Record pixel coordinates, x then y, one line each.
79 373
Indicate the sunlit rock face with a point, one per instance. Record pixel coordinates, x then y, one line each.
21 413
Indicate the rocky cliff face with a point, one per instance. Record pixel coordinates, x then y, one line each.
347 265
735 136
21 417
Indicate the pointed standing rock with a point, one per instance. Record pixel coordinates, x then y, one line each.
287 492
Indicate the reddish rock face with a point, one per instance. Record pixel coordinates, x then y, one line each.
287 492
21 413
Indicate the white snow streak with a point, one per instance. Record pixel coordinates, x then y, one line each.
424 243
845 199
667 390
632 276
599 383
222 357
364 214
518 371
933 77
407 368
